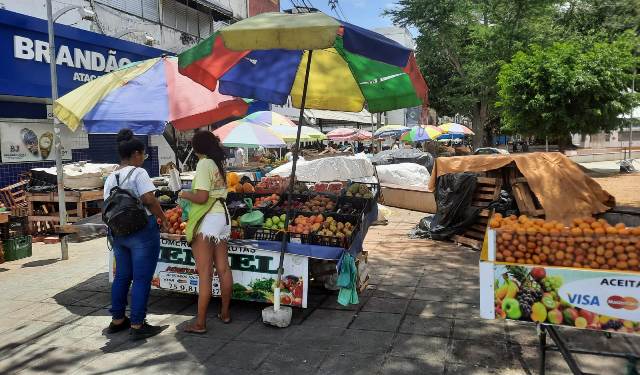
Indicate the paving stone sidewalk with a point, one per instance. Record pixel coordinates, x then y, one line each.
419 316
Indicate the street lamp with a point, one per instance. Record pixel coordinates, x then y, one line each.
148 39
86 14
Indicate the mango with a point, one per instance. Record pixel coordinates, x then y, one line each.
538 312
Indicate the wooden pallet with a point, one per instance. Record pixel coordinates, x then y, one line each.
14 198
487 190
525 199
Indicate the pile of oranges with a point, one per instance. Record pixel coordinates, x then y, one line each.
587 243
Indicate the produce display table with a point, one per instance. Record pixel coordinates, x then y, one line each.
585 276
79 198
253 263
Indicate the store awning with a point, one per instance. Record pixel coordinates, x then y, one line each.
363 117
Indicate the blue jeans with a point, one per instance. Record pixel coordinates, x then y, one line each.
136 258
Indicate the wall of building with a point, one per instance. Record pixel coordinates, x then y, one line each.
113 22
263 6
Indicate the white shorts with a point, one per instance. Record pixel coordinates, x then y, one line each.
214 227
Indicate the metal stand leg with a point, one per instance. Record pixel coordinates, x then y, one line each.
566 353
542 335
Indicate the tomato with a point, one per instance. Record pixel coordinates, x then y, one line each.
297 291
285 299
297 301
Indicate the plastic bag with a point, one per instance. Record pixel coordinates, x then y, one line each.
454 214
186 206
505 204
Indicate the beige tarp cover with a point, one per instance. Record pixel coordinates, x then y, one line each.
561 186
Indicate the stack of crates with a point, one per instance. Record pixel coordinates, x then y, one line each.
16 244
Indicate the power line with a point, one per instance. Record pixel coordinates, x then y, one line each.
342 11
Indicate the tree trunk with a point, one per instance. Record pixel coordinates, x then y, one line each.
479 120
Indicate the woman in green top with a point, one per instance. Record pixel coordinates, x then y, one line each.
209 226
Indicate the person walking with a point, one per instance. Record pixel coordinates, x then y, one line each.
209 227
136 254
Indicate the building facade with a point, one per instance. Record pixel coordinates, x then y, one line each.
120 32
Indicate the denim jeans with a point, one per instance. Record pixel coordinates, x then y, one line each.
136 257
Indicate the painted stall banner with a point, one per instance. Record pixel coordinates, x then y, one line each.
31 141
254 273
563 296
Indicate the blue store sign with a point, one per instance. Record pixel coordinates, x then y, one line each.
81 55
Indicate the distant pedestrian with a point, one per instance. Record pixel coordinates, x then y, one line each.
136 254
239 157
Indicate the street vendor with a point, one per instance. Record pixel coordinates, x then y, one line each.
209 227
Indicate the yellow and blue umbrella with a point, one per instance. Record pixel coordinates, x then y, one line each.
145 97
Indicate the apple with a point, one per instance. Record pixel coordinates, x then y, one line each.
570 315
538 273
588 315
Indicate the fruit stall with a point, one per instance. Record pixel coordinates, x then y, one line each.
329 220
584 275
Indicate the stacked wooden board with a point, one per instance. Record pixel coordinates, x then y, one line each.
488 190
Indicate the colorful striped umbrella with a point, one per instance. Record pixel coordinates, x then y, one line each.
249 135
453 128
421 133
144 97
390 131
265 57
269 118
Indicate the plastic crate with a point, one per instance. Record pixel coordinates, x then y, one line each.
17 248
344 242
16 227
263 234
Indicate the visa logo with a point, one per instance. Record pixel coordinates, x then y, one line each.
584 300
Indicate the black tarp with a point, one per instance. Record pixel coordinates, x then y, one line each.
454 213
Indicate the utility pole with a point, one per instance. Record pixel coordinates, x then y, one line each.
56 131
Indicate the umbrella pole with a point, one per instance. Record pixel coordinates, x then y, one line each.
292 178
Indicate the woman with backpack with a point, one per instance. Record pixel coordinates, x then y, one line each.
209 226
129 210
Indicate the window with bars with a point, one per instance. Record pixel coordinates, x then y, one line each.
147 9
189 19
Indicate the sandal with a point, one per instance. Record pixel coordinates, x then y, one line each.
227 321
190 328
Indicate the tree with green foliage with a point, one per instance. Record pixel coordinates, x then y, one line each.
577 86
462 44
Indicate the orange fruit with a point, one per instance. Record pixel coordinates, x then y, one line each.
620 226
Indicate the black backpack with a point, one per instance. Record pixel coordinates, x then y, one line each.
122 211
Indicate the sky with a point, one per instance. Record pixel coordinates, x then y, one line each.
364 13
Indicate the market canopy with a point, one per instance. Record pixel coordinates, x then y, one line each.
453 128
421 133
348 135
390 131
265 57
144 97
248 135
